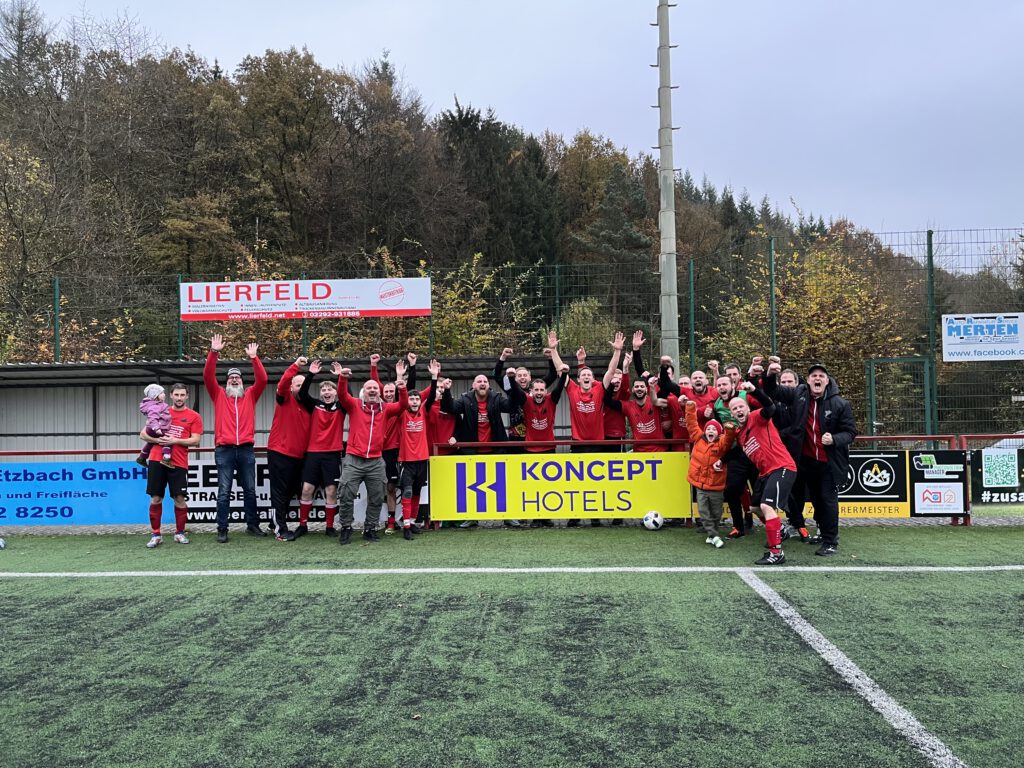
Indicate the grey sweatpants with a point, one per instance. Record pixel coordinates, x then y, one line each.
709 506
355 471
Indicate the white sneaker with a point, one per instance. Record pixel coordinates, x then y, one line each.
717 541
154 541
181 538
709 540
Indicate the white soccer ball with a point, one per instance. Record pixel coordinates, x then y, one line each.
3 544
653 520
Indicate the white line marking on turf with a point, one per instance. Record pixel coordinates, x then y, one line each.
669 569
900 718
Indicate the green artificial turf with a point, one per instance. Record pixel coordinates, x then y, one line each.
932 545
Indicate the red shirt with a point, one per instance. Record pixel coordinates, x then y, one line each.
234 418
702 400
441 428
184 423
289 431
413 430
646 423
813 447
327 423
761 442
586 411
483 424
365 423
539 419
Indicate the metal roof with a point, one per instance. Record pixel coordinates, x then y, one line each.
87 374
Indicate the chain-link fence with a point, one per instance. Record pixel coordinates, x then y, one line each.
867 305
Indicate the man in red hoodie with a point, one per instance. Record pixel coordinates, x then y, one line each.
234 412
363 463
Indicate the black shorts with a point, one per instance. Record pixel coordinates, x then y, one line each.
414 476
160 478
391 470
774 489
322 468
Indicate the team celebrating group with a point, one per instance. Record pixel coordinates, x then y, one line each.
762 444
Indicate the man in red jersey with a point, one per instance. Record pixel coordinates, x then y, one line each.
641 413
363 463
234 412
286 446
776 470
413 450
323 449
184 432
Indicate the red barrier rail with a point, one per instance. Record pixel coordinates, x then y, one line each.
950 440
964 439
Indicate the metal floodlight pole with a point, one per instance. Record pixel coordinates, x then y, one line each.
667 183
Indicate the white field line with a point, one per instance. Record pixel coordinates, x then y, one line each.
248 572
900 718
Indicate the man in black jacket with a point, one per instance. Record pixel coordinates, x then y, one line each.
480 410
823 446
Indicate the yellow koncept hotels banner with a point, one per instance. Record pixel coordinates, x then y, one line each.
579 485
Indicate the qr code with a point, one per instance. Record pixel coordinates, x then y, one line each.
999 469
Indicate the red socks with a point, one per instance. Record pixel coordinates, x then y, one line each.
774 530
180 516
155 510
406 512
415 508
330 511
304 508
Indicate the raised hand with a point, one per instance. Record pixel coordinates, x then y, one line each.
552 339
667 360
638 340
301 361
581 355
374 359
564 368
746 386
435 369
251 348
618 341
774 368
217 342
627 360
346 372
314 367
713 366
412 358
336 368
506 353
400 369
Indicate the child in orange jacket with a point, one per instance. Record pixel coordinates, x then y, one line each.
707 474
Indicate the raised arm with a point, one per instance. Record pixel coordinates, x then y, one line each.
617 342
210 369
259 373
559 387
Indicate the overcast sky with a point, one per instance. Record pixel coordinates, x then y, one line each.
898 114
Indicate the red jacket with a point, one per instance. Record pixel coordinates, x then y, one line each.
290 428
365 423
234 418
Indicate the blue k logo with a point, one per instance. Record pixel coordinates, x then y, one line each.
480 487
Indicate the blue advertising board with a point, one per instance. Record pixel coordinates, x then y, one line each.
74 493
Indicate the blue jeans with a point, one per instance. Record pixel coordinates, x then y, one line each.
232 460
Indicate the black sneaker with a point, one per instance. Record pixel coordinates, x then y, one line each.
547 523
298 533
596 523
330 531
415 529
772 558
814 539
616 521
255 530
407 533
345 536
370 534
222 537
787 531
572 524
142 461
827 550
536 523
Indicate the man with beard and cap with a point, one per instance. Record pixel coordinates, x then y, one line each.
823 445
776 470
286 446
234 412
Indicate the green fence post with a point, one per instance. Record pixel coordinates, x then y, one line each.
56 319
558 303
771 295
869 374
181 325
305 331
693 316
932 392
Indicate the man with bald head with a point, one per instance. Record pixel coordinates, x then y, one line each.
363 464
